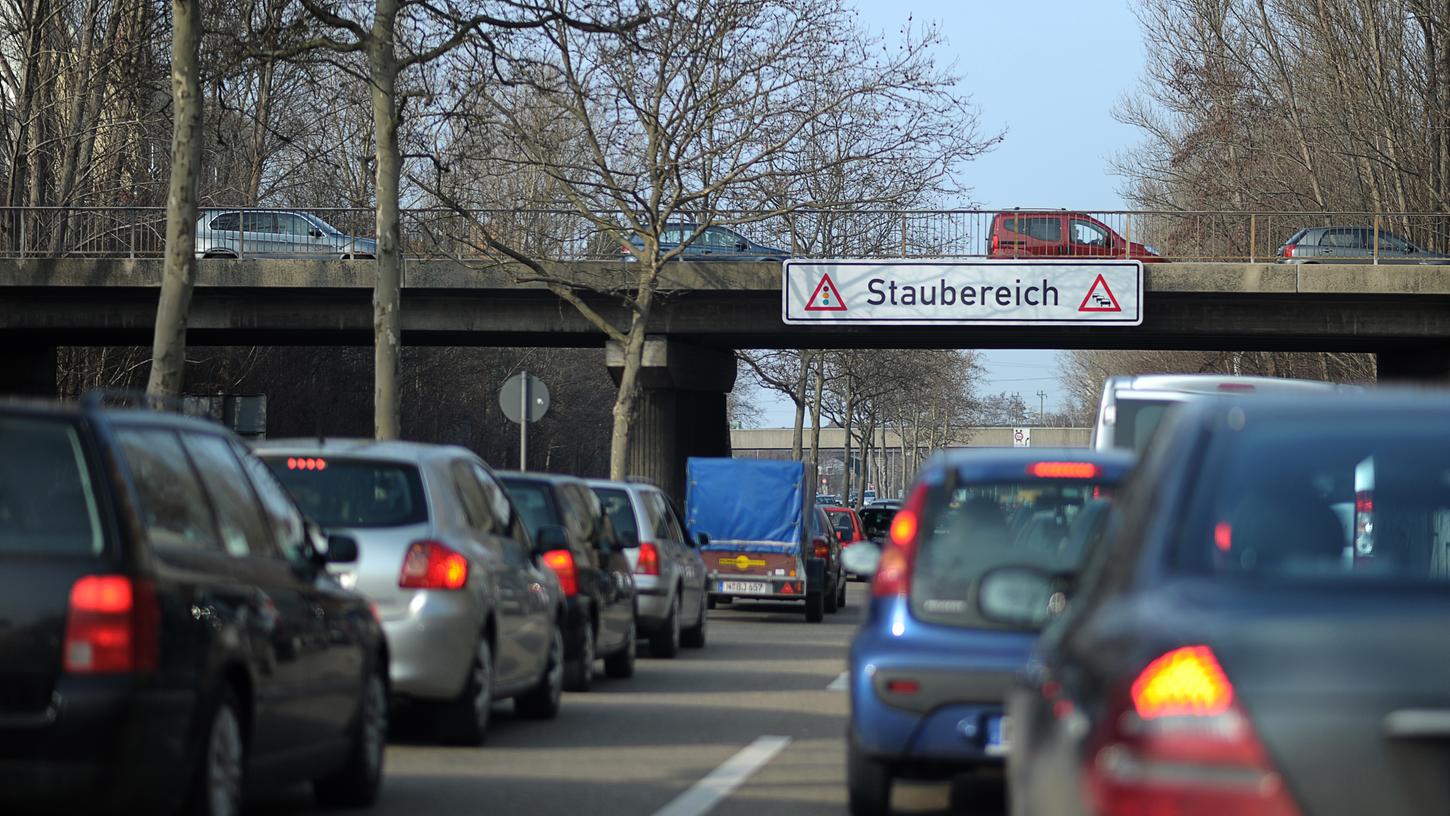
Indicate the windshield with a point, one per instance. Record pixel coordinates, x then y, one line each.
1137 419
535 503
969 530
352 492
47 506
1325 499
620 511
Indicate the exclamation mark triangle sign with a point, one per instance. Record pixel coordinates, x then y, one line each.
1099 298
826 298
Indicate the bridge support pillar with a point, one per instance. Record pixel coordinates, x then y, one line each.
28 369
1431 364
681 409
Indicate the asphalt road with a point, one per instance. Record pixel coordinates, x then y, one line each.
644 745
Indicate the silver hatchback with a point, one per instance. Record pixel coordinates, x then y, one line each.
1354 245
470 615
275 234
669 574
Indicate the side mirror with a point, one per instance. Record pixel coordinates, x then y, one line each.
702 540
341 549
629 539
1020 596
551 537
861 558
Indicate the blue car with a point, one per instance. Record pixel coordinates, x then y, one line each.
711 244
928 672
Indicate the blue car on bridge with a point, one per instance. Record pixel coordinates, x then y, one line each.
929 672
709 244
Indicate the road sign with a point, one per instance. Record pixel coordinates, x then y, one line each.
1021 437
524 398
1040 292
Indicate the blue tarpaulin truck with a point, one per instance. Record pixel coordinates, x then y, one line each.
754 511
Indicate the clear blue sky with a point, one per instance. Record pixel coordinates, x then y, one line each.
1048 73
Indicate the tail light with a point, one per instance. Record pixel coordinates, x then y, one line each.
994 243
893 573
1242 388
562 563
113 626
1289 250
823 549
433 565
1063 470
649 559
1179 743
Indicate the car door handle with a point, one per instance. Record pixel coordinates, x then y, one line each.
1418 723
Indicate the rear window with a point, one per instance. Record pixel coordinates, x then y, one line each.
621 513
1136 421
1320 498
353 492
535 503
47 504
876 521
969 530
842 523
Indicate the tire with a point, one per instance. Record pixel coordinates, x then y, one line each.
666 642
620 665
815 607
220 774
841 602
215 255
832 601
357 782
542 701
579 671
694 637
868 783
710 602
464 720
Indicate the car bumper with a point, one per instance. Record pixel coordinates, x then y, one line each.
778 588
431 644
652 605
110 748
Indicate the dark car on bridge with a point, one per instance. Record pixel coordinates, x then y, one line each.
1354 244
169 635
696 243
1262 630
928 670
1060 234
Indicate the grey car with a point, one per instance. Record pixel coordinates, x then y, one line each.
669 574
1353 245
275 234
470 614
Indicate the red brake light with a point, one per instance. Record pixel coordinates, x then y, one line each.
433 565
823 549
1223 536
1289 250
1240 387
112 626
562 563
306 463
1178 743
893 573
899 686
649 559
1063 470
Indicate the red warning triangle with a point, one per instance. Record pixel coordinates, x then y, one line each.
826 298
1099 298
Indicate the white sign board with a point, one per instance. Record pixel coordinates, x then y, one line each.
1021 437
1042 292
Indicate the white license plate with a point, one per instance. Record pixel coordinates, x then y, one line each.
999 734
745 587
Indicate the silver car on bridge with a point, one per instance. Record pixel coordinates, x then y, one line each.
275 234
470 615
669 574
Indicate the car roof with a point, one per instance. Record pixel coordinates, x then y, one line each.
391 450
1215 383
39 406
532 476
1384 404
991 464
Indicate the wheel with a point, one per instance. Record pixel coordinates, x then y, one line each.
217 786
579 672
694 637
815 607
464 720
212 255
868 783
666 642
542 701
621 663
357 782
831 600
841 601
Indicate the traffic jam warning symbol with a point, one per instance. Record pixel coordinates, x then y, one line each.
1099 298
826 298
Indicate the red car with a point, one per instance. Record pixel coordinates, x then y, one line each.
1061 234
847 524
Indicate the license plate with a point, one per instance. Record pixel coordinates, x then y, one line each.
745 587
999 734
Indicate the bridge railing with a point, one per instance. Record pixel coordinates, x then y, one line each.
564 234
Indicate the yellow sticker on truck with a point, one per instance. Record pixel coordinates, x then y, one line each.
742 561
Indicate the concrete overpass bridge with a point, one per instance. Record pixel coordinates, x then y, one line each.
706 310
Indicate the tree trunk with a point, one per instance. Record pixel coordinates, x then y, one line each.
820 365
387 294
168 347
846 426
624 400
800 408
259 134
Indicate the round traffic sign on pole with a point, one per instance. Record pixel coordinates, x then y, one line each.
515 402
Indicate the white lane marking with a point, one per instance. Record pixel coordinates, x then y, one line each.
710 791
840 683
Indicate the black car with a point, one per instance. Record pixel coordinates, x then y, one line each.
827 545
569 526
1263 629
169 635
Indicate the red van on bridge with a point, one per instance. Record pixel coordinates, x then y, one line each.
1060 234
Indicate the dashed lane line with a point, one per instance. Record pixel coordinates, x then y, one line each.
710 791
840 683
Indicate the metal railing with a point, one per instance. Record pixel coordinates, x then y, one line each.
563 234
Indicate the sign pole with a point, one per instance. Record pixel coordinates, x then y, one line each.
524 423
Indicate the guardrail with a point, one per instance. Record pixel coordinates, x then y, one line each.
562 234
